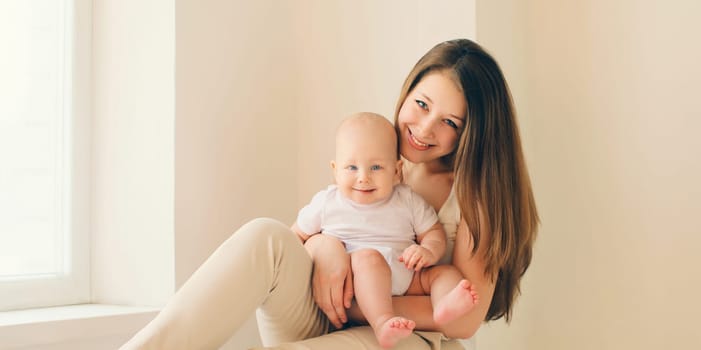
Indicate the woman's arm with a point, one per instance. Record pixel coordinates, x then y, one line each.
473 269
332 279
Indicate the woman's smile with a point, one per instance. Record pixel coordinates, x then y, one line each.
431 118
413 141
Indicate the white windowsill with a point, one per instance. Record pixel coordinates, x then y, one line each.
65 324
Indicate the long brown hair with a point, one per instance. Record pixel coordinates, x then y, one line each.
491 179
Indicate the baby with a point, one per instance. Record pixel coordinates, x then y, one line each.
390 232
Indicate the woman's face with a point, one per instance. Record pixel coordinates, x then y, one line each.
431 118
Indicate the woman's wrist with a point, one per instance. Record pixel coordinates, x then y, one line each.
322 243
311 245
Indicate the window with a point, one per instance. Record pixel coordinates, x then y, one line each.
44 153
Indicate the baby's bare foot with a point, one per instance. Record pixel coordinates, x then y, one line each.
393 330
456 303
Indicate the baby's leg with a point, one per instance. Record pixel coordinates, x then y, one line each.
372 282
452 296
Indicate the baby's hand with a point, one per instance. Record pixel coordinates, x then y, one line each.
416 257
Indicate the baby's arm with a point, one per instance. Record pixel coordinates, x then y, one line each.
302 236
308 221
430 249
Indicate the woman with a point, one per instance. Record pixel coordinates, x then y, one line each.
462 150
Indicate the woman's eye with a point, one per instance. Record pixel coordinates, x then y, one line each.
451 123
375 168
422 104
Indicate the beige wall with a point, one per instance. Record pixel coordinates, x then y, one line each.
244 97
260 88
235 110
210 113
608 98
354 57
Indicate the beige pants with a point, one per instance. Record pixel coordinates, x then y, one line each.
262 267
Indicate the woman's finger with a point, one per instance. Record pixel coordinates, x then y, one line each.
322 297
330 266
348 290
330 311
337 302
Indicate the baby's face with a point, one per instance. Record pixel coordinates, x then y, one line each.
366 166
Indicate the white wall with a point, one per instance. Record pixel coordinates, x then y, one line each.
608 95
133 151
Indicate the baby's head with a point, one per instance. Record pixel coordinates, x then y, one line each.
367 165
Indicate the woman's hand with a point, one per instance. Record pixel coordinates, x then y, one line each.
332 278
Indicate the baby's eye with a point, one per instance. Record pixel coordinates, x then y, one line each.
375 168
352 168
451 123
422 104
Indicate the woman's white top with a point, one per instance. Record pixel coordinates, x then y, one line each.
449 216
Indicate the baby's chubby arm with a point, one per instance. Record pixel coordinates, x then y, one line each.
431 247
301 234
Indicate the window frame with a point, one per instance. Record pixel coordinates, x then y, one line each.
73 285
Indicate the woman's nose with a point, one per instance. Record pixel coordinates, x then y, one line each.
426 126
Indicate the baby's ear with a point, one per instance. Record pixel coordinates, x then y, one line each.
333 172
399 174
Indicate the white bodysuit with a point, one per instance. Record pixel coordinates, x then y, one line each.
389 226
